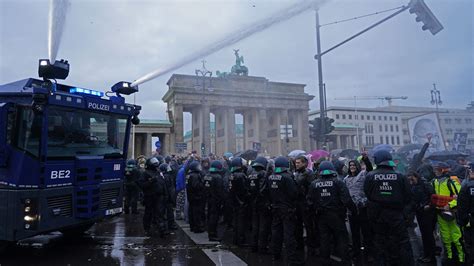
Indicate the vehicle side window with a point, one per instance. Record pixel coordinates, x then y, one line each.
11 118
28 131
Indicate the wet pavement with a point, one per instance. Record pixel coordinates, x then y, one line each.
121 241
118 241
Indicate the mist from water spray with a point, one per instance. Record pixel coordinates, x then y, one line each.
56 20
235 37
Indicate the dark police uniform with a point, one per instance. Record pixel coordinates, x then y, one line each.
132 188
214 191
388 192
466 218
329 198
304 178
239 195
260 205
154 191
196 197
283 196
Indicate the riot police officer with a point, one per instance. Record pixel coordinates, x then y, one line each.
466 214
283 195
303 178
132 189
153 186
214 189
239 195
170 200
329 198
259 205
388 193
196 197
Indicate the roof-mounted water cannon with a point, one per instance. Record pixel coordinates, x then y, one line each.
58 70
124 87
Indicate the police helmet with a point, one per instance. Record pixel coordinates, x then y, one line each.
216 166
383 157
164 167
327 168
441 165
236 164
160 158
152 163
195 166
260 162
281 164
168 159
131 163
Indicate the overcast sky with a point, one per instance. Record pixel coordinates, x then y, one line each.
109 41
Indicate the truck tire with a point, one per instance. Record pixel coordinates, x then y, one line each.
76 230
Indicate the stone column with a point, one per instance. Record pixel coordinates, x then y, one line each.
262 128
177 134
338 142
250 128
229 130
196 114
146 144
205 129
284 148
303 131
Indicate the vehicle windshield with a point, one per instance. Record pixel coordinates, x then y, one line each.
79 132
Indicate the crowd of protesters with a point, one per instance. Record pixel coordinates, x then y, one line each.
306 203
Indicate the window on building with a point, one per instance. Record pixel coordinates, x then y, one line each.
398 140
387 140
385 118
470 130
470 141
380 118
343 116
457 120
381 139
447 120
459 130
386 128
405 132
449 131
350 116
337 116
380 128
468 120
391 128
393 140
396 128
368 117
362 117
390 118
373 117
396 118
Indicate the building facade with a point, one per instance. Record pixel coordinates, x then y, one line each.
389 125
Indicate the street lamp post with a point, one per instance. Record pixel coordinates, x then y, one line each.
203 73
435 97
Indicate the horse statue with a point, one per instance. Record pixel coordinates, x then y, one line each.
238 69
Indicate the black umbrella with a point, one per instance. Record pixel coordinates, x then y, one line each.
446 155
247 155
349 153
410 147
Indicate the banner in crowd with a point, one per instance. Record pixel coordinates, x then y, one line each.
420 127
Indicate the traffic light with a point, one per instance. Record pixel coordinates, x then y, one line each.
424 15
315 128
328 125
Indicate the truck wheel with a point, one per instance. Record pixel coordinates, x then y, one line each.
76 230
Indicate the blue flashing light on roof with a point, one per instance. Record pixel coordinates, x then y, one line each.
86 91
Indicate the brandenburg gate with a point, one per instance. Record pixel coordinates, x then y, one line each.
275 114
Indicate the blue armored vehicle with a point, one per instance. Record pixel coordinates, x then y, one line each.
62 155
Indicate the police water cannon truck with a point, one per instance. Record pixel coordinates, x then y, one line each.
62 154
